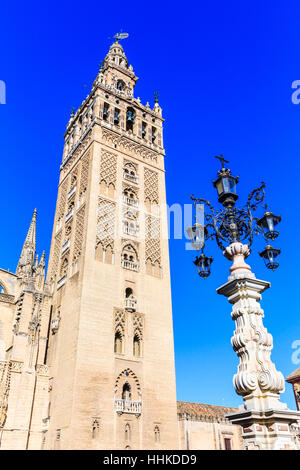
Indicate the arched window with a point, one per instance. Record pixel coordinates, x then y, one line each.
156 434
99 252
109 255
130 300
130 117
105 111
129 258
126 392
64 266
111 191
120 85
118 342
130 172
2 289
128 292
95 429
130 197
127 433
136 346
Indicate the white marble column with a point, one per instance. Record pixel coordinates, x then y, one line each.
265 421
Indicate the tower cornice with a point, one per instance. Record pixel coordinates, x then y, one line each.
131 138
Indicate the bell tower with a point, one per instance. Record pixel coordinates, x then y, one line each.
110 349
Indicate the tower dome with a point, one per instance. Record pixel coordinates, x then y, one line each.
117 55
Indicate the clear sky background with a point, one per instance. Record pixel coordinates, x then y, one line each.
224 72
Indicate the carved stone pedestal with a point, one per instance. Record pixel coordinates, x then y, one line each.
266 430
266 422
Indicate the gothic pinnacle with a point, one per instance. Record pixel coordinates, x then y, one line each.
28 250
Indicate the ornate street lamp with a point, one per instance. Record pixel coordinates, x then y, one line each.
226 185
195 234
203 265
266 422
270 256
267 224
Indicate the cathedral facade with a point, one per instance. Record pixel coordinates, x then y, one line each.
87 355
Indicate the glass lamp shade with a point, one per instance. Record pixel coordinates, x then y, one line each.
203 264
267 224
196 235
270 256
226 188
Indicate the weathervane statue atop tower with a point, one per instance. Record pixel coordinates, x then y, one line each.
120 36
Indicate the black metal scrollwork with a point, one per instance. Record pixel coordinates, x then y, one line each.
231 224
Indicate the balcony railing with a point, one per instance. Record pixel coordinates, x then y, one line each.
129 177
72 191
69 214
7 298
61 282
130 303
131 265
130 230
126 406
130 201
65 246
55 324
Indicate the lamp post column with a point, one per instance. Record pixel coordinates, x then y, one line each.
265 421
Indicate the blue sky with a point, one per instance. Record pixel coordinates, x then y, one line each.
224 72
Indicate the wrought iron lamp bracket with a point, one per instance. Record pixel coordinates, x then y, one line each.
231 224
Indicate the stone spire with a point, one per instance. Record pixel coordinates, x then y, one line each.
40 273
157 109
26 260
42 261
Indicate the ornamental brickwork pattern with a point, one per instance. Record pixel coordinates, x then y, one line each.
152 235
62 199
105 231
151 185
108 168
56 254
84 177
79 228
120 321
138 325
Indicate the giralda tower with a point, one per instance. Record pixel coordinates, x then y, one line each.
110 349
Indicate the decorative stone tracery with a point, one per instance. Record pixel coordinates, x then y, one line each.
84 176
108 169
56 254
5 377
120 319
151 186
125 143
138 325
152 245
105 231
62 199
79 230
